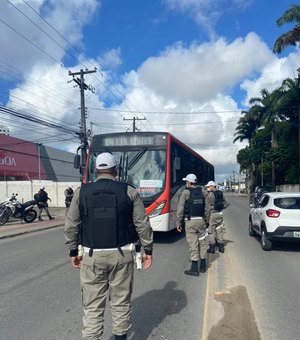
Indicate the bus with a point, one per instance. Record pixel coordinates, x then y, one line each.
154 163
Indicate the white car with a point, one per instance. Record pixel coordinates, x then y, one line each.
276 217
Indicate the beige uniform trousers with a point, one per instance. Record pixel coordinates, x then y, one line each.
106 274
215 229
195 231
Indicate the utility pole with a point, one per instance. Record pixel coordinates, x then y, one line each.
134 119
298 83
83 135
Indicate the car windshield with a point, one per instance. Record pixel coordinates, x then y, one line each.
146 170
287 202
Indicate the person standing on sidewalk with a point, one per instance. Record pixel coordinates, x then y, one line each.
109 216
41 199
191 211
69 193
215 203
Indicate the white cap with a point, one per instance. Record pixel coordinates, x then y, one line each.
211 183
190 178
105 160
42 187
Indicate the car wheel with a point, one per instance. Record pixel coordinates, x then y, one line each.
251 230
266 244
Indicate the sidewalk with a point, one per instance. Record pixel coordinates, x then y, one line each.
16 227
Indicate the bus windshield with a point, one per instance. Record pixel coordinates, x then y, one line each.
146 169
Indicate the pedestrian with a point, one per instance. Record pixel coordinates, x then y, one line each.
109 216
42 199
215 203
191 212
69 192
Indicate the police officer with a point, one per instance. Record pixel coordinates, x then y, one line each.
191 211
68 196
42 199
109 216
215 203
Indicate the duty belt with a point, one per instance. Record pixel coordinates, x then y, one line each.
129 246
194 218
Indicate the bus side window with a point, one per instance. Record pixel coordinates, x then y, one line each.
176 167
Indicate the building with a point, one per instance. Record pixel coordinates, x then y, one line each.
22 160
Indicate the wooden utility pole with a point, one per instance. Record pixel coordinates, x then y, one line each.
83 135
134 119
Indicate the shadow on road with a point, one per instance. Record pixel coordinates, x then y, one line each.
150 309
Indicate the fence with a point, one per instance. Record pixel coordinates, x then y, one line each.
27 189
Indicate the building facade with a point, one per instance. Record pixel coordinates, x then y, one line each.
21 160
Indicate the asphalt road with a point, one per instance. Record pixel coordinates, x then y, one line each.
40 295
246 294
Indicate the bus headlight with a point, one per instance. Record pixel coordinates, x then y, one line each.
157 211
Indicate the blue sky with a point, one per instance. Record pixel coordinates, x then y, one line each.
188 66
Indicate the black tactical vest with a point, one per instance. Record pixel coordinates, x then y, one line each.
106 215
219 201
194 206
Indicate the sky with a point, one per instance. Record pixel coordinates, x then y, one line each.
188 67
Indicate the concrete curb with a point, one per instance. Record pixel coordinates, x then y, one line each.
18 232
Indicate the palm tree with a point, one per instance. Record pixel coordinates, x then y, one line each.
267 106
291 103
245 130
292 37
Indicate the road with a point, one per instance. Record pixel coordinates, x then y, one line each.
246 294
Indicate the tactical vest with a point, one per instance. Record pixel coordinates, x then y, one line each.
69 192
194 206
219 200
106 215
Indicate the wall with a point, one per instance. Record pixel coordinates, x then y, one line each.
27 189
288 188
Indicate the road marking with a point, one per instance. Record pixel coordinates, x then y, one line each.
208 292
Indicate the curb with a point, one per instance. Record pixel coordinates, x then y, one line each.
14 233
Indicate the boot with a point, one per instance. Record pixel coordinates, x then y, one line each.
202 266
120 337
51 218
194 269
221 247
40 219
211 249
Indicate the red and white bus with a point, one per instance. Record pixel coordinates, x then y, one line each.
154 163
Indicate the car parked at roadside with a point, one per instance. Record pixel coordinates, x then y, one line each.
275 217
258 192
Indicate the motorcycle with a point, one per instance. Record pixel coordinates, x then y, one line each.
12 207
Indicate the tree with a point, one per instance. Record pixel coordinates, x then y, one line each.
268 106
292 37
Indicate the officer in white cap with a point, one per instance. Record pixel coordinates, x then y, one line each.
215 203
109 216
191 212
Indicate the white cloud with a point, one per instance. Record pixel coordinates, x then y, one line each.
206 13
26 44
199 72
271 76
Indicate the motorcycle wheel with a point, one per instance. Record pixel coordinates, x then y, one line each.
30 216
3 217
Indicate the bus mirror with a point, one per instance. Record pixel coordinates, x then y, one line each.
177 163
77 161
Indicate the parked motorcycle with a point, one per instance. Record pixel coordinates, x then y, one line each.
12 207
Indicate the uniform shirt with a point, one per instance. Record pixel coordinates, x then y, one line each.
210 203
185 195
140 219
